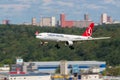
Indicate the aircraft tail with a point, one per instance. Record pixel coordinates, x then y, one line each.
89 30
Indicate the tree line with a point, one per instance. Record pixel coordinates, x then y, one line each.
20 41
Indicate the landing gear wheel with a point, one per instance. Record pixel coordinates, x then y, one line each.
57 46
41 43
71 47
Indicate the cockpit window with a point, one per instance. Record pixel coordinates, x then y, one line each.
40 35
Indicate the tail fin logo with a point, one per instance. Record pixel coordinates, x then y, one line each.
89 30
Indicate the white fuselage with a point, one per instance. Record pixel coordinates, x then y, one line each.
60 37
68 39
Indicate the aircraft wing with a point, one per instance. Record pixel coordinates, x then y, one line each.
91 39
80 39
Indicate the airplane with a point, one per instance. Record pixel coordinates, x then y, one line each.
68 39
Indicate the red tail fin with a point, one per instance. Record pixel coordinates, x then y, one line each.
89 30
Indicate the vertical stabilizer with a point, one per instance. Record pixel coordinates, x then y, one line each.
89 30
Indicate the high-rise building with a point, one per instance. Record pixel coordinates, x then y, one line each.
65 23
109 20
80 24
5 22
34 21
48 21
53 21
62 20
86 17
104 18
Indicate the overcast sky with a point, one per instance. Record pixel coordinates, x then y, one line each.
19 11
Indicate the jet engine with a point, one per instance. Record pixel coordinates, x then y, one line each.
69 43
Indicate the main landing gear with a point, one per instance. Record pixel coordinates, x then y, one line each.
57 46
71 47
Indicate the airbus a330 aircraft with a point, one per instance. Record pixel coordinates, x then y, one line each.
68 39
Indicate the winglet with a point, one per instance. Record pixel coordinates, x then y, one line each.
89 30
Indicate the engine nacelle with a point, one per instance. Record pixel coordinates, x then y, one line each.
70 43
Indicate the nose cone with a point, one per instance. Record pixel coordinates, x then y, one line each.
37 36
